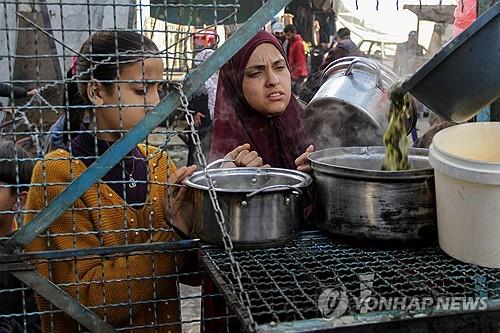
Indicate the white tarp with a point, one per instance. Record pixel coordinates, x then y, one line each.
76 19
7 40
101 14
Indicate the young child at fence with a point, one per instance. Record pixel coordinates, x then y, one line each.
122 74
15 175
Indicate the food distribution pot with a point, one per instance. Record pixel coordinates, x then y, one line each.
354 198
351 106
261 206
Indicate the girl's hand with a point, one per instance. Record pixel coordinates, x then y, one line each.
179 202
243 157
302 163
179 206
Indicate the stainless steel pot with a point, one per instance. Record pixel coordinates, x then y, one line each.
261 206
350 107
354 198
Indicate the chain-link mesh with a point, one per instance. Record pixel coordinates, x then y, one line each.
98 67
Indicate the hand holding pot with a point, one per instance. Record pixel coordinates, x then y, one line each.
179 202
243 157
302 162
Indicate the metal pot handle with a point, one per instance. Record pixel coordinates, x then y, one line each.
220 160
298 191
331 66
372 65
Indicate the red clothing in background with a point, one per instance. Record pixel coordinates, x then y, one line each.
297 58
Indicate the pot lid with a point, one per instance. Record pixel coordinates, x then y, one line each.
362 64
245 180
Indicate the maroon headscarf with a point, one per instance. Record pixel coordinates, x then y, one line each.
279 140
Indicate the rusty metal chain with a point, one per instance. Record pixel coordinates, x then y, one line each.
226 238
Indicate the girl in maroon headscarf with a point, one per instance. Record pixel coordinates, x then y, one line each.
254 106
255 111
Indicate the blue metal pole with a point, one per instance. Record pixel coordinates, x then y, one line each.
63 301
177 247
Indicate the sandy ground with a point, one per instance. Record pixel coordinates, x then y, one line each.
191 309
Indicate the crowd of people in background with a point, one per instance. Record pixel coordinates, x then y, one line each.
307 68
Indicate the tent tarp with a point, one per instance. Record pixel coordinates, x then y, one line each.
359 32
440 14
199 12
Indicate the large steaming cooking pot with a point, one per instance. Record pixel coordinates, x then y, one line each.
354 198
350 107
261 206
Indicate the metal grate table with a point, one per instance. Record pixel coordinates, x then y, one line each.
364 287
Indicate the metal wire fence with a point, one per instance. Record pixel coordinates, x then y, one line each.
90 242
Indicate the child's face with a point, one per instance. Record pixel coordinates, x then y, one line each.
7 203
266 83
134 98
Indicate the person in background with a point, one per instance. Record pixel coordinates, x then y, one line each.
297 59
202 103
13 194
318 50
277 29
7 90
408 55
344 47
15 177
56 138
426 139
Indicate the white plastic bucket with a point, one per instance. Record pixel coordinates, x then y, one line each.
466 161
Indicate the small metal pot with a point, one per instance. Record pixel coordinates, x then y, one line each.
354 198
261 206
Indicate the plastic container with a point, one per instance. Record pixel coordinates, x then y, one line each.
466 161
